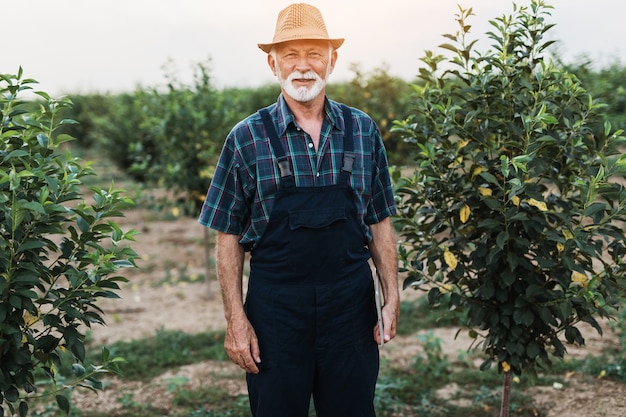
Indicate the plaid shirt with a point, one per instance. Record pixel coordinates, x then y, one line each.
241 195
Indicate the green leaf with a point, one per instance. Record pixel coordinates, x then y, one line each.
490 224
596 211
47 343
547 316
123 263
43 140
31 244
573 335
490 178
493 204
449 47
83 225
63 403
23 409
78 349
14 180
14 154
502 239
523 316
533 349
486 364
78 369
62 138
549 119
106 354
11 394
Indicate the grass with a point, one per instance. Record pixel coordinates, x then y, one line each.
408 391
148 358
418 314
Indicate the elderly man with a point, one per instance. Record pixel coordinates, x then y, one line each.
303 185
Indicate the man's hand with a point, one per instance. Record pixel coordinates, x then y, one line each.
390 323
385 256
242 345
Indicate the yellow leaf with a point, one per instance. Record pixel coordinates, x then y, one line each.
539 204
457 161
29 319
465 213
175 211
477 171
463 143
446 288
568 234
450 259
515 200
580 278
506 367
485 191
560 247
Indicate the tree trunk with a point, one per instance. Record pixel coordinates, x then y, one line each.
506 395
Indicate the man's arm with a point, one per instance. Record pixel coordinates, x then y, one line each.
241 343
385 256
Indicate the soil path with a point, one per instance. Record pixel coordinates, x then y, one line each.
165 292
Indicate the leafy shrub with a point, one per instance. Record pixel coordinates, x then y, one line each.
58 253
515 212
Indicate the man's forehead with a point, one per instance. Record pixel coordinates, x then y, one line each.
303 44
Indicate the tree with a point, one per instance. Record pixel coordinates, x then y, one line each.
515 211
59 254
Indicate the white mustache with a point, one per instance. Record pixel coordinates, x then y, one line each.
309 75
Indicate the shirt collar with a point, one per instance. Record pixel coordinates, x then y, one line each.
286 117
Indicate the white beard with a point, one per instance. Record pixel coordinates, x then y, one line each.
302 94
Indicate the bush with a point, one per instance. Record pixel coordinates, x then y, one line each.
58 253
515 213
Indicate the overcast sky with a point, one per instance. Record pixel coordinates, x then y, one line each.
81 46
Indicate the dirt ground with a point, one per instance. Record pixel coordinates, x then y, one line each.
171 249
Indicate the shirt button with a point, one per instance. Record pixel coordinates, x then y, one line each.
310 145
317 175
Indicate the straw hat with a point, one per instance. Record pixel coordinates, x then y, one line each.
299 21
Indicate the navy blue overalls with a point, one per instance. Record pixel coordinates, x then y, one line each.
310 299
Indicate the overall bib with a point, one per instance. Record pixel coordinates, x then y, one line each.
310 299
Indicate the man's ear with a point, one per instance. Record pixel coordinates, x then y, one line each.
272 63
333 61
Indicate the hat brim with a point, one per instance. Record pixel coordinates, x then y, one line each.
267 47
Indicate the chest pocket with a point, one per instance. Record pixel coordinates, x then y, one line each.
316 218
317 239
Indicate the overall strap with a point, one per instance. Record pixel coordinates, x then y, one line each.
348 147
284 167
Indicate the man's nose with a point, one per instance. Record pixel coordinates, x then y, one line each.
303 63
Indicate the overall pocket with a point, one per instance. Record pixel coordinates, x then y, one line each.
317 238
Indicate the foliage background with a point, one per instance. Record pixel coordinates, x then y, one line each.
169 135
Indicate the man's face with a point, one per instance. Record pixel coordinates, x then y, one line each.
302 67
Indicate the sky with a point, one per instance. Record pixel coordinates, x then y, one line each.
110 46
